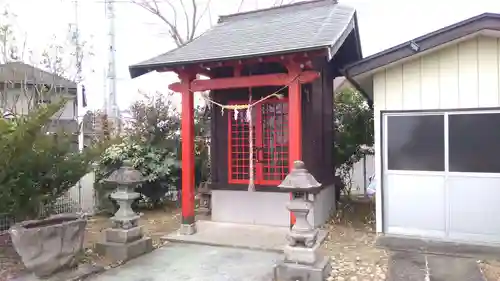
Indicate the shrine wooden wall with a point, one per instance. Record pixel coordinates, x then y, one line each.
317 128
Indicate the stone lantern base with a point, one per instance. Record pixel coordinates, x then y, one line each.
124 244
288 271
303 260
305 264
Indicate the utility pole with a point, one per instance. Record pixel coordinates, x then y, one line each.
78 78
111 106
79 90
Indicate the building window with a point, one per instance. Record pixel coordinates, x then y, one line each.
415 142
474 142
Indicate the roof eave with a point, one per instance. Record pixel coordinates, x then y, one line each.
138 69
425 42
358 41
359 73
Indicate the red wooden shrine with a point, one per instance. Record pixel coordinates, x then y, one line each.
298 59
277 122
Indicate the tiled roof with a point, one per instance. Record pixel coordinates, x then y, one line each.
297 27
18 72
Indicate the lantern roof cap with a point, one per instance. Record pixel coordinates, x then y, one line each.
125 175
300 180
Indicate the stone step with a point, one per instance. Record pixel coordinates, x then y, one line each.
410 266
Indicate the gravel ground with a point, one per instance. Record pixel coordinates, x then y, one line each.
490 270
351 244
156 223
10 265
354 256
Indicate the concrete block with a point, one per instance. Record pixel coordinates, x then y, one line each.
123 236
187 229
287 271
302 255
124 252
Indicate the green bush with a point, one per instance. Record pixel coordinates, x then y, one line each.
158 165
152 142
36 168
353 134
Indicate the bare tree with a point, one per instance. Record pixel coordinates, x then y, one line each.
10 48
65 57
191 15
182 17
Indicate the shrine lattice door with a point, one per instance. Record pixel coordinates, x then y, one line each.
270 144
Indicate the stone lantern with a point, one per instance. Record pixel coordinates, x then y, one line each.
124 240
302 258
205 199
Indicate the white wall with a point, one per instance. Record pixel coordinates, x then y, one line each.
360 174
267 208
83 194
448 78
247 207
461 75
18 102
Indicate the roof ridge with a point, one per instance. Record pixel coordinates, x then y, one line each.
224 17
39 70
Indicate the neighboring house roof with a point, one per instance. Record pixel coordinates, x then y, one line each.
302 26
359 73
486 21
19 72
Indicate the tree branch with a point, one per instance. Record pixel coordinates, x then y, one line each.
173 10
278 3
173 30
195 27
186 18
193 20
192 17
240 5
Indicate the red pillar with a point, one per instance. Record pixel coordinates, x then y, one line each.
187 138
294 120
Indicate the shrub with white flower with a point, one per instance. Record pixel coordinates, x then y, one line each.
155 163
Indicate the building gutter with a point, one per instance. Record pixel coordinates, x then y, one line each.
356 85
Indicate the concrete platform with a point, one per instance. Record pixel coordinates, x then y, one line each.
236 235
419 245
410 266
76 274
254 237
184 262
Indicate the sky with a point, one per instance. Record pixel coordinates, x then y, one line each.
140 35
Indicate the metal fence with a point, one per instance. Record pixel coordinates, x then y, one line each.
79 199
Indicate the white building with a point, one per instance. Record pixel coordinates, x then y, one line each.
23 87
437 128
